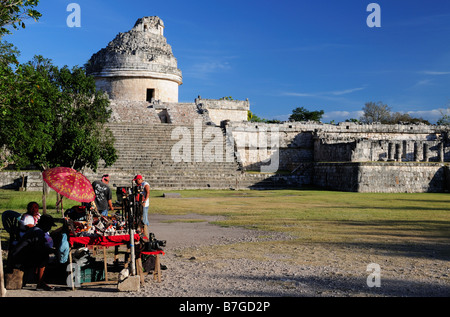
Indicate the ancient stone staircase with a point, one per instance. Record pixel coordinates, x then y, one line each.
149 150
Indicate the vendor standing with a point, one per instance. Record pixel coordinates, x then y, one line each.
103 195
145 201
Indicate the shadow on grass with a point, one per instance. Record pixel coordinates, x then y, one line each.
421 239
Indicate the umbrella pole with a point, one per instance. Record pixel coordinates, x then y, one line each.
132 255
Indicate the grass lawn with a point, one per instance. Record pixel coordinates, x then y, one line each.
392 221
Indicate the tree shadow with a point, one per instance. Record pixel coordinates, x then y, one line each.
318 285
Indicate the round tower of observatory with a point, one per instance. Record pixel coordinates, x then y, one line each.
138 65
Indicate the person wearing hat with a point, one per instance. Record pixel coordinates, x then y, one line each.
146 201
103 195
33 249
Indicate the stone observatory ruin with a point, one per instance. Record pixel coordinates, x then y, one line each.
210 144
138 65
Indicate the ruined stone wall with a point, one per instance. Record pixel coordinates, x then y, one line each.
220 110
257 144
300 142
362 143
344 157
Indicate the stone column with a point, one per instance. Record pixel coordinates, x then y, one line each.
390 151
405 147
416 152
425 153
441 152
398 152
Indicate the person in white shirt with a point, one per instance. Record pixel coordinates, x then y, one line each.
30 218
146 201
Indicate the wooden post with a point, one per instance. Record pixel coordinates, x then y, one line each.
71 270
157 271
105 264
44 197
2 276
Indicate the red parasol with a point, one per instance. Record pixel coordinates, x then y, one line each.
69 183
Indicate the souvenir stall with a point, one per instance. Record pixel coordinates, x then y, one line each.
88 229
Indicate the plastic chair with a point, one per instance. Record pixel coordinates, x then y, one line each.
10 220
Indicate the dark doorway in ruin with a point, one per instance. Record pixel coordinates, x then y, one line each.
150 95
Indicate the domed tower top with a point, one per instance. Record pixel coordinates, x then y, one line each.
150 24
138 64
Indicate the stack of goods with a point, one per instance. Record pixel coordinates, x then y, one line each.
87 222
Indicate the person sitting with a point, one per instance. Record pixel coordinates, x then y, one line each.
30 218
33 249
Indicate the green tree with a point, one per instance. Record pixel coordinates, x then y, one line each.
302 114
53 117
25 119
398 117
227 98
253 117
14 12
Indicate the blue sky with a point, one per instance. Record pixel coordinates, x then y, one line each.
281 54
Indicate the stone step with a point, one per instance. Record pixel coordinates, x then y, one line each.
147 150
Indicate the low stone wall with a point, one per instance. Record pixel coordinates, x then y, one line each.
336 176
402 178
13 180
389 177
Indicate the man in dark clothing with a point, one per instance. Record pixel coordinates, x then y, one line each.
33 249
103 195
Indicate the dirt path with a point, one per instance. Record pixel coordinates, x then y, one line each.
328 271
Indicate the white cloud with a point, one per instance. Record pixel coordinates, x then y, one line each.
434 73
424 82
345 92
298 94
203 70
323 94
430 115
340 116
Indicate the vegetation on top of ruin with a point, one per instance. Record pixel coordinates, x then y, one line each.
382 113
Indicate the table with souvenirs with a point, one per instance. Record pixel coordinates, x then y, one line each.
88 229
